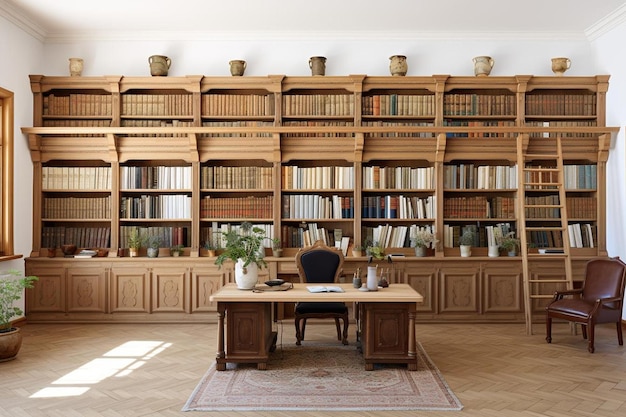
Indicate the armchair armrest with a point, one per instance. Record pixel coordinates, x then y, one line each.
558 295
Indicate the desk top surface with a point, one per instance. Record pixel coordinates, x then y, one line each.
395 293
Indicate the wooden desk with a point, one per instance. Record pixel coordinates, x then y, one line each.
386 322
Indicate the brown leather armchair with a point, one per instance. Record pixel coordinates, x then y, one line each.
320 264
600 300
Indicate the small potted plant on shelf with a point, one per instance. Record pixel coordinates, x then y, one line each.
421 240
375 251
244 246
510 243
135 242
12 285
277 250
154 242
209 248
466 240
177 250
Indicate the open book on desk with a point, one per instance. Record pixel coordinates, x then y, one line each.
327 288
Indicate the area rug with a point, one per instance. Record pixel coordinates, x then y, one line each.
323 378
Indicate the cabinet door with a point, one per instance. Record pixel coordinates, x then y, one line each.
170 290
130 289
87 288
422 276
205 281
502 287
49 292
459 289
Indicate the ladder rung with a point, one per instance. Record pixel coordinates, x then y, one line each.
543 206
548 281
553 184
541 296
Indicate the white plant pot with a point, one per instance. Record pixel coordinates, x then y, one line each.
494 251
246 278
466 251
420 251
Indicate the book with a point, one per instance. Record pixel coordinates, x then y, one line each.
328 288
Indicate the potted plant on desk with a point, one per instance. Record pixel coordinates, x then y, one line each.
12 285
244 246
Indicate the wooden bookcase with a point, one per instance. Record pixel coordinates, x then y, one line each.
298 155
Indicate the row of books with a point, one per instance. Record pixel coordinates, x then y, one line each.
479 207
479 104
566 124
318 105
237 207
312 206
77 105
238 105
392 134
214 234
542 212
155 177
77 208
239 177
75 178
167 206
399 178
580 235
236 124
453 232
306 235
82 237
480 177
78 123
580 177
157 104
317 123
479 123
168 236
388 236
398 207
317 178
399 105
582 207
561 104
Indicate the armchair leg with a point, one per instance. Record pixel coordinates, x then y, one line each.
620 339
346 323
549 329
592 329
300 327
338 326
584 330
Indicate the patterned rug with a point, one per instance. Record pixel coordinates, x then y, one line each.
323 378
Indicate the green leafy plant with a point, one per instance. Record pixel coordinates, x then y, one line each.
423 238
179 249
12 285
376 251
245 243
276 243
467 238
154 242
135 239
509 242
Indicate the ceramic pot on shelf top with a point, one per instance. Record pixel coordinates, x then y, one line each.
159 65
483 65
398 65
560 65
317 65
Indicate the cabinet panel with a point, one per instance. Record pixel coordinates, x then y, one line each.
423 277
49 293
130 289
87 289
170 290
204 283
502 288
459 289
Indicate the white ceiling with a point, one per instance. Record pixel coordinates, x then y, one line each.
57 20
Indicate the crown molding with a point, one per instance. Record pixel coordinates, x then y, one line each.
310 36
19 19
606 24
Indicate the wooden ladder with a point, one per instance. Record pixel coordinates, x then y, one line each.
541 174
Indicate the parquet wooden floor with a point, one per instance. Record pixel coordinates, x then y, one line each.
136 370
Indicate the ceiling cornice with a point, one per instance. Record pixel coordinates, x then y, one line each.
19 19
310 36
606 24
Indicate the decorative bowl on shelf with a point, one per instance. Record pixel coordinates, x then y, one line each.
68 250
274 282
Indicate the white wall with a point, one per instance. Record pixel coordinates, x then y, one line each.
290 57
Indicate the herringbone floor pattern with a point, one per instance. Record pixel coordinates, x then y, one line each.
496 370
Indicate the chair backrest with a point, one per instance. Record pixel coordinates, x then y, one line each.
319 263
604 278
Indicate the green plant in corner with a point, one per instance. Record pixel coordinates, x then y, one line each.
245 243
12 285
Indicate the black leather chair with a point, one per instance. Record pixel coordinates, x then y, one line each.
600 300
320 264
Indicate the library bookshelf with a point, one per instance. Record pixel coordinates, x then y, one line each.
359 157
